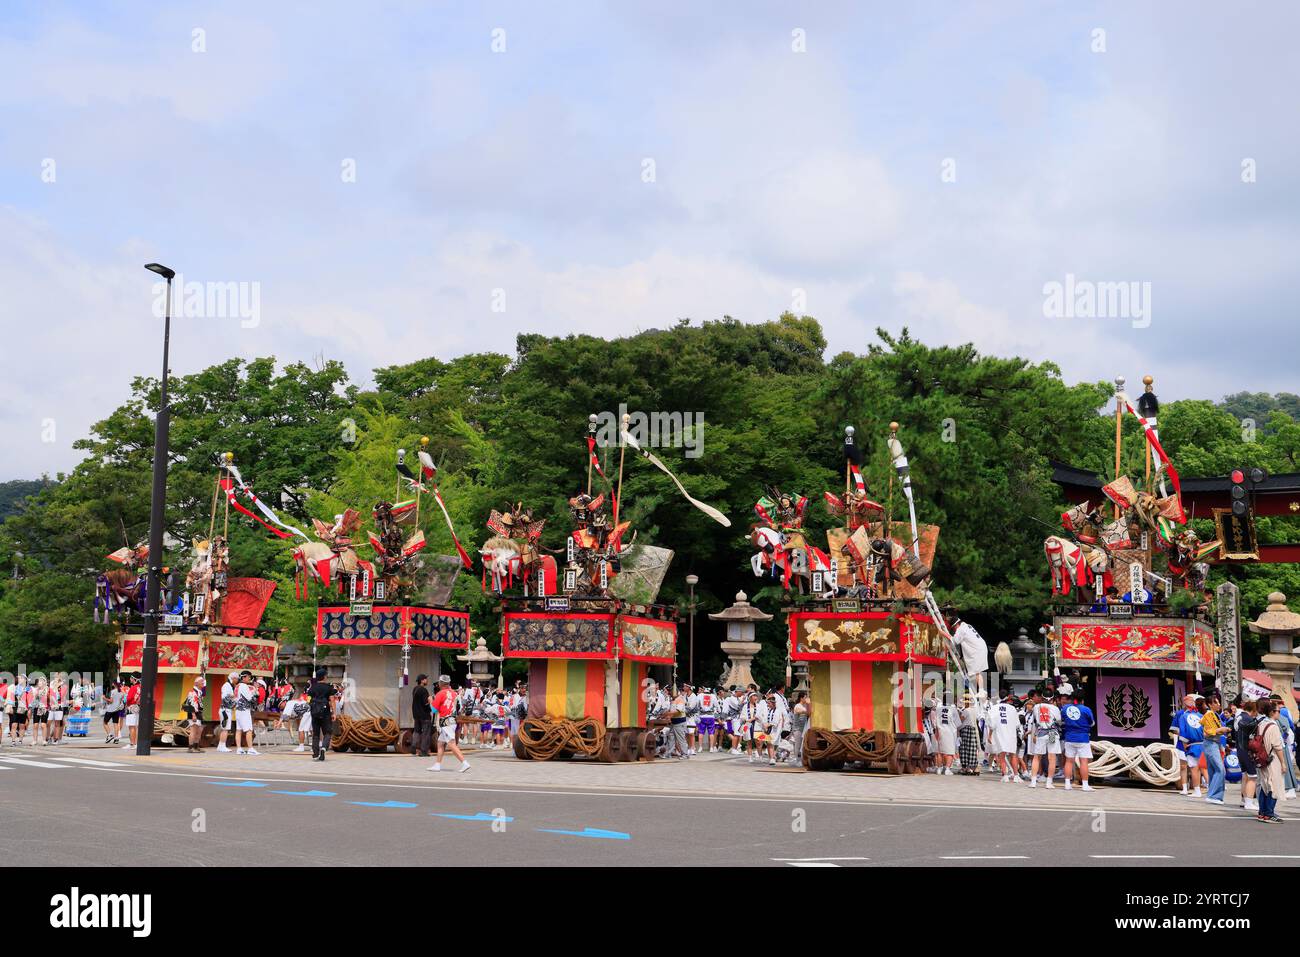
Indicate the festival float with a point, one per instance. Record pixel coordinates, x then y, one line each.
862 617
390 613
1134 656
591 630
211 623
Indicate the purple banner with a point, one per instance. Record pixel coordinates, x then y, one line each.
1128 706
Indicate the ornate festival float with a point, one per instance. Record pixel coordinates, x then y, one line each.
1132 624
591 630
211 623
389 613
862 616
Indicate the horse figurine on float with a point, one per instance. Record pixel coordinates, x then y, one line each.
332 558
1083 558
122 590
515 551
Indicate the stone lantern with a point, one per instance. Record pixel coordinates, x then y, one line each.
740 646
481 660
1281 626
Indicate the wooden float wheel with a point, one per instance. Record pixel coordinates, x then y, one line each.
521 750
631 743
894 763
903 757
647 745
815 740
923 759
611 749
403 743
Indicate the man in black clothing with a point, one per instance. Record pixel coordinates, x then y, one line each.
422 736
321 698
1243 726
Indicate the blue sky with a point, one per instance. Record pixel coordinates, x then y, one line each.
779 177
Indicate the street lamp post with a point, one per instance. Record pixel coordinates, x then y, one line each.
149 661
691 582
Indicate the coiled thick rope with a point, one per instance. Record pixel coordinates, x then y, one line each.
822 745
367 733
544 738
1110 759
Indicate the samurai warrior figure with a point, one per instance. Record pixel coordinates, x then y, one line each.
595 546
783 549
205 584
855 508
393 548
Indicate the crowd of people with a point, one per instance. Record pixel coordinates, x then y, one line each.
35 713
1044 738
1250 741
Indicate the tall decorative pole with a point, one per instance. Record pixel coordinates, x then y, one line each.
1145 401
905 479
848 459
419 485
1119 427
591 447
622 451
691 582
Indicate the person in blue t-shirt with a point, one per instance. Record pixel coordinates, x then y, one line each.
1192 738
1076 733
1144 605
1188 704
1101 604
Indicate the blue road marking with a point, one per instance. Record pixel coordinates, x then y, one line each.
308 794
590 832
238 784
480 816
382 804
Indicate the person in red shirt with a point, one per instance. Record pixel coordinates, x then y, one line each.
132 711
444 706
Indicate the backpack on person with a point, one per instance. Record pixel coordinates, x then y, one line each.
1255 745
320 709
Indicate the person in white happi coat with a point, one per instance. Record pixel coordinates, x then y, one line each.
747 722
1003 725
974 651
772 718
692 716
946 721
731 707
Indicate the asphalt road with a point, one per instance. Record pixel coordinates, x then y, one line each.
98 812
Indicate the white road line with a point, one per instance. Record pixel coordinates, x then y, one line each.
1132 857
23 762
811 864
802 860
93 764
1268 857
985 857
